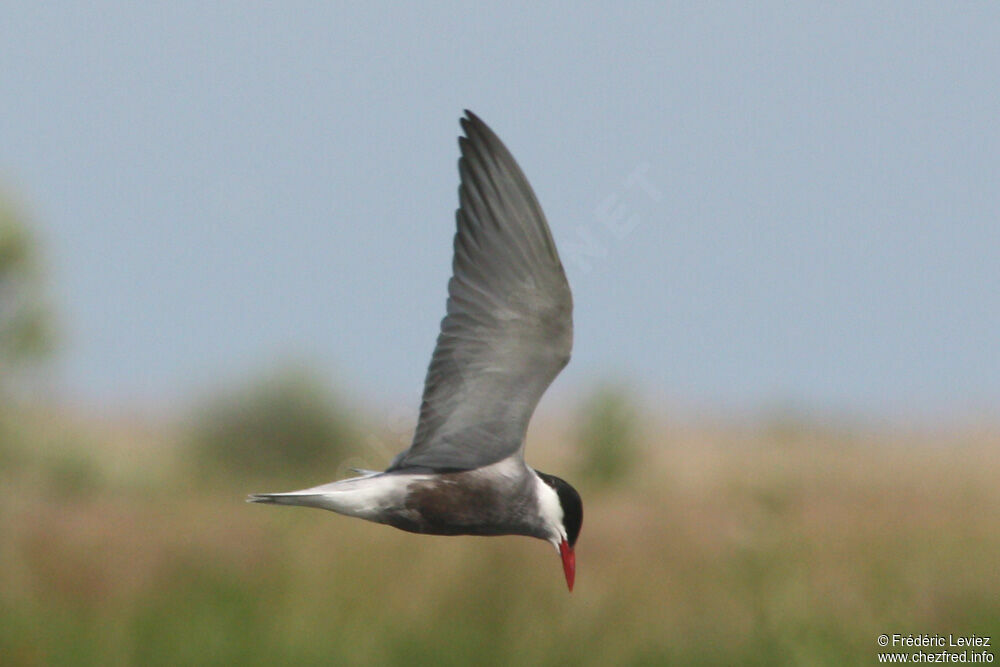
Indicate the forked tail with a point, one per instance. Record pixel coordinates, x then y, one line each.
299 498
272 498
365 496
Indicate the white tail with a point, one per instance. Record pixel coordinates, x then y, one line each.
366 497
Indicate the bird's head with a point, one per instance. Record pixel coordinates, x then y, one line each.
561 511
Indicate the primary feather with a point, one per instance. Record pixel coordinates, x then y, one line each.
508 329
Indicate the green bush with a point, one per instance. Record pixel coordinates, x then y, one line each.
607 438
284 422
25 318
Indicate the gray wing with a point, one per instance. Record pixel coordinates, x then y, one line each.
509 325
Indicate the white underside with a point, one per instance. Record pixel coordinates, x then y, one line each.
365 497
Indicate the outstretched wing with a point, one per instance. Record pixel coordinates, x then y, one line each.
509 326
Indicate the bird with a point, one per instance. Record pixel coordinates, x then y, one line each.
506 335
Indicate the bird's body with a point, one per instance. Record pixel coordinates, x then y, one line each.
492 500
507 333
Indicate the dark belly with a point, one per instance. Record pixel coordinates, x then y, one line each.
462 504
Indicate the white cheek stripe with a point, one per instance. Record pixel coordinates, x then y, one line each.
551 511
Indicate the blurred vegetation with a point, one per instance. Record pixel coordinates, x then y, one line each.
286 421
727 547
782 543
607 436
25 317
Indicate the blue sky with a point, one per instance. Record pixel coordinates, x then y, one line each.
756 203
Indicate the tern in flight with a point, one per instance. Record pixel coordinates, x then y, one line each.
507 333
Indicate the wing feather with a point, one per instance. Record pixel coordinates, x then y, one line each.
508 329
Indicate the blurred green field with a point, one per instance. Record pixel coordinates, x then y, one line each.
740 544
